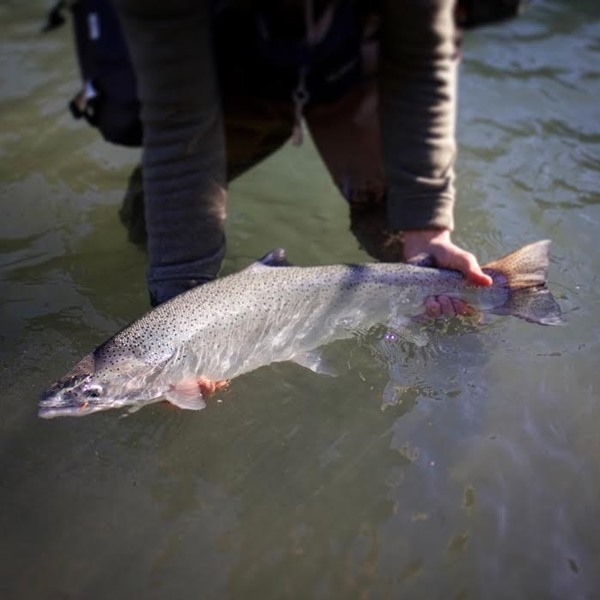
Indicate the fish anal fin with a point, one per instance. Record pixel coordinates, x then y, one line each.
186 395
314 361
392 394
409 329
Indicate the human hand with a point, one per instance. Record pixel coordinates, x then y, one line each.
437 245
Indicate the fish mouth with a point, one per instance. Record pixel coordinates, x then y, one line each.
84 391
46 412
73 399
62 405
87 397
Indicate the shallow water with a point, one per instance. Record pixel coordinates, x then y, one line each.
482 482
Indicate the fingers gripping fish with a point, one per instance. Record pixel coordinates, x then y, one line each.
274 312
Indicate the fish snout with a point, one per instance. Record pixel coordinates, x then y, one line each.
70 401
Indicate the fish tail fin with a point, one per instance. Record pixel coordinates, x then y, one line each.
523 274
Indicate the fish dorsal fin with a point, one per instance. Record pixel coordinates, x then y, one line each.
275 258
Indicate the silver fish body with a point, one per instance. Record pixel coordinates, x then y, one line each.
273 312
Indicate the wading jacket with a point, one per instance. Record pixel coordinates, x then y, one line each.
184 160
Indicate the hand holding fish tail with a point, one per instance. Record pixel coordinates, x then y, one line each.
436 247
445 253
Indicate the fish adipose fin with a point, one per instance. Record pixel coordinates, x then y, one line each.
523 274
186 395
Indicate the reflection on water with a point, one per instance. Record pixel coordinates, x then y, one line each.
479 480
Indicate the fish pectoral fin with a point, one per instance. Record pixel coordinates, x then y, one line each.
186 395
314 361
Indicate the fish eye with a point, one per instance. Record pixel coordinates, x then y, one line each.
93 392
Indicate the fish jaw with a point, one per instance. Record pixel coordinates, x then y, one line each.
76 400
90 397
82 392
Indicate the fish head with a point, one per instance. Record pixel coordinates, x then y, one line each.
85 390
75 396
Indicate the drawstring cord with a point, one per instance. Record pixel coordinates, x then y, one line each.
301 95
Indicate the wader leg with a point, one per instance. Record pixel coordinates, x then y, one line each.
254 129
347 136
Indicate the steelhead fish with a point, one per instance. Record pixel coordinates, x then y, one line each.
273 312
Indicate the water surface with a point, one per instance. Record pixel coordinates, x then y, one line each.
481 482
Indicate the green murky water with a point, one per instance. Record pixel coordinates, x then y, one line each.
483 482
